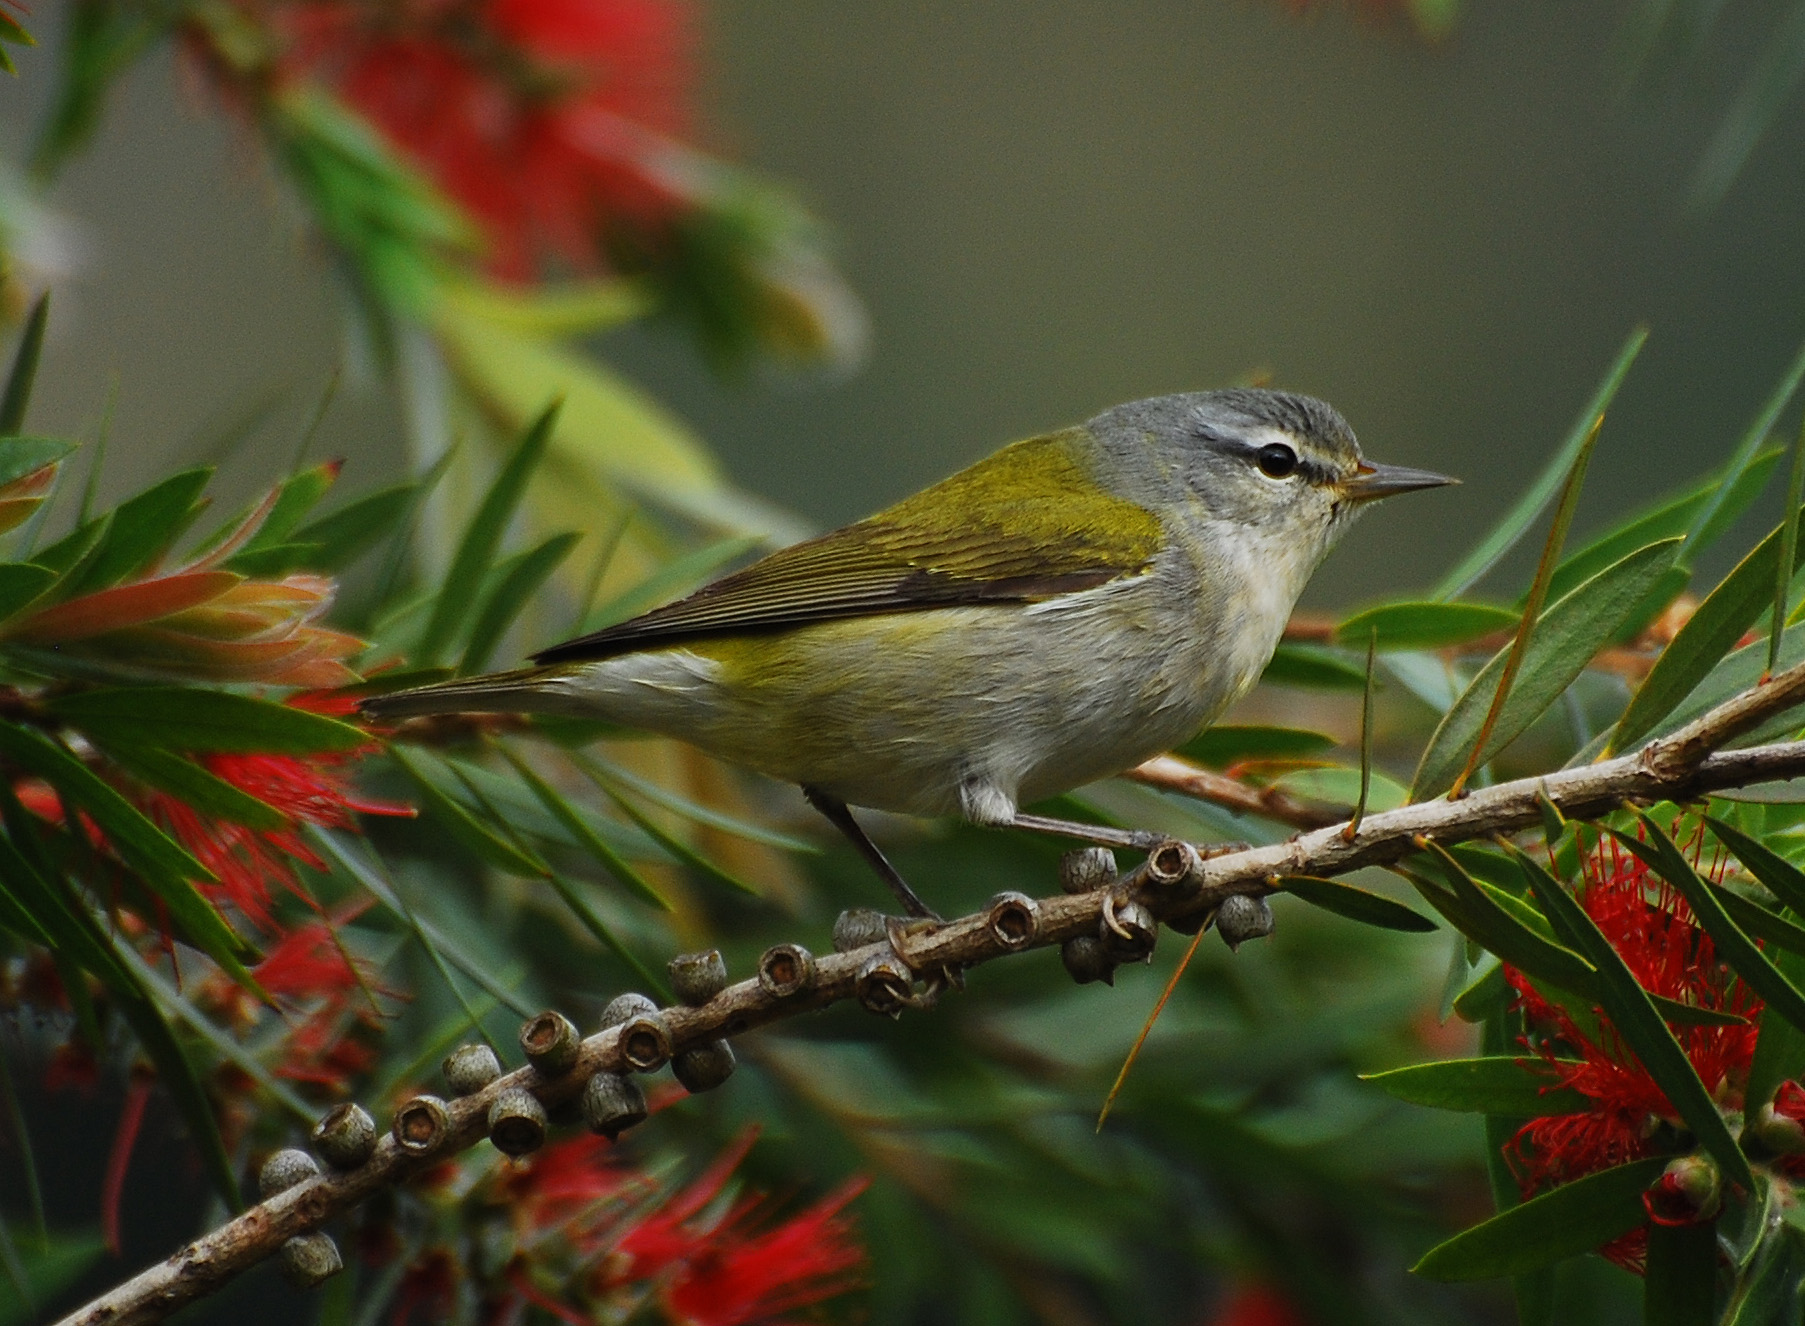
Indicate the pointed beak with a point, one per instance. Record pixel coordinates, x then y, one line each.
1375 481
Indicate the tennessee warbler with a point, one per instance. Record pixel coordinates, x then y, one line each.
1058 612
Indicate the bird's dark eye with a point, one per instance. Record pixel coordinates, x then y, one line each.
1276 460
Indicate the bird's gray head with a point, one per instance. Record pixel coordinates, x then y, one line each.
1273 461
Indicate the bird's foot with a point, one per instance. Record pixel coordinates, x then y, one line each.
901 933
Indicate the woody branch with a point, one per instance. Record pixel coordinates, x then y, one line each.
1174 883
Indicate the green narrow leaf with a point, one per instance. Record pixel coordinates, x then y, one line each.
1753 967
223 1043
1749 447
24 371
1680 1284
181 718
695 811
1564 1222
1640 1025
520 578
451 608
1482 915
373 884
1780 877
298 495
1565 640
21 584
1430 625
472 832
1476 1002
1761 923
1225 745
67 553
1495 1084
1366 742
1520 517
605 855
1708 635
1564 510
572 897
1356 904
20 456
342 536
1673 517
1312 668
679 850
142 530
1789 548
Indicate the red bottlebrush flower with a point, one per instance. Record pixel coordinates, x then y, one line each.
741 1278
560 1186
1652 928
719 1273
306 789
548 120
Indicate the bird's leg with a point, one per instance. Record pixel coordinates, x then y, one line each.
840 816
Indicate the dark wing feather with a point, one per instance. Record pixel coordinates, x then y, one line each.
1055 533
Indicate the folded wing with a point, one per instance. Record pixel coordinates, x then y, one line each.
1025 525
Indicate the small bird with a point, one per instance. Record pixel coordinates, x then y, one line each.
1056 613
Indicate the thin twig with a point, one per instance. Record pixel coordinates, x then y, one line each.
1665 769
1171 774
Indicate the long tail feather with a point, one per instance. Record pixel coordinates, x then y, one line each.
520 692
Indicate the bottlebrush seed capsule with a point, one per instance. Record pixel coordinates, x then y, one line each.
310 1259
1013 920
1175 866
612 1104
698 977
421 1124
704 1067
645 1043
1241 918
624 1008
517 1122
345 1136
1086 961
470 1068
884 985
551 1042
1132 937
284 1170
1087 869
786 969
856 927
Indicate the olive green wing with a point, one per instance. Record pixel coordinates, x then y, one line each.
1052 531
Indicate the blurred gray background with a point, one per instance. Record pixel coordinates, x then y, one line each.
1053 207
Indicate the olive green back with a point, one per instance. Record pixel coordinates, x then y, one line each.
1026 524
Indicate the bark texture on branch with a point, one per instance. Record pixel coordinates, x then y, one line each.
1655 772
